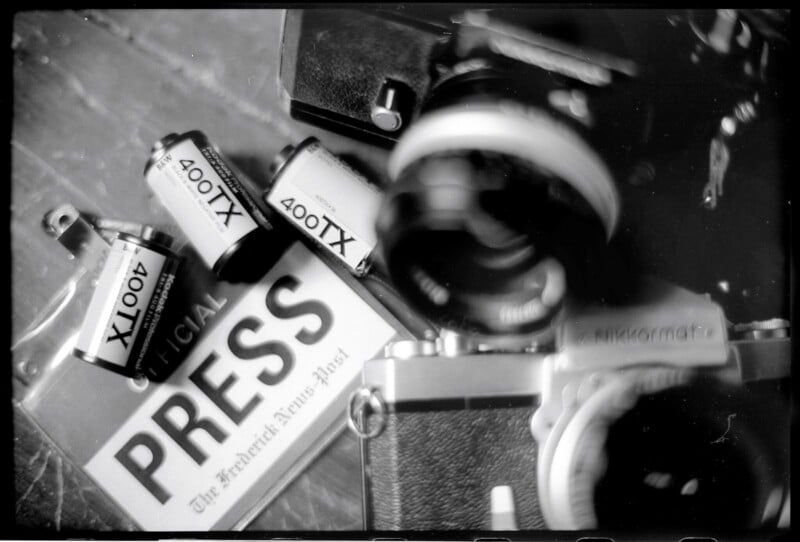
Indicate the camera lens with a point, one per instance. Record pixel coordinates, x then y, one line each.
466 239
495 210
690 458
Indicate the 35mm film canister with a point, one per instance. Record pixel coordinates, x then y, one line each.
327 200
211 206
127 303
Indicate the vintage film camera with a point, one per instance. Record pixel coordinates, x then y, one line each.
544 162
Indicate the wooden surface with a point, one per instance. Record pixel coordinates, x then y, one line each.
92 91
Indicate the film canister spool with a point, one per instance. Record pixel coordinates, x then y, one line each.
128 302
327 200
210 204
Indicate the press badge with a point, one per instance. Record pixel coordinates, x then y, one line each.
248 399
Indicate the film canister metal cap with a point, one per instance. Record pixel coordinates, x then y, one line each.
280 159
158 237
159 149
286 154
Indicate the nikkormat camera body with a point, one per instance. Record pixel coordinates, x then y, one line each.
645 416
544 161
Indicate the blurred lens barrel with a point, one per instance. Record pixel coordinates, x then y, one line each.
493 214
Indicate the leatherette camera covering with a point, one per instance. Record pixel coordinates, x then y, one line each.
466 453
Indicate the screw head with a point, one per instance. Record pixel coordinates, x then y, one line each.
385 112
408 349
386 119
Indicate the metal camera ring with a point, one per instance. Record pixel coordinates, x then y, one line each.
359 399
576 458
525 132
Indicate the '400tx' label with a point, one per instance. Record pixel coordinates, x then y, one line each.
330 203
120 306
249 398
203 197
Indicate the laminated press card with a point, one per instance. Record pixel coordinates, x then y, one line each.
261 374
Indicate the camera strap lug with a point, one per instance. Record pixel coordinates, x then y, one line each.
719 157
70 228
719 154
361 402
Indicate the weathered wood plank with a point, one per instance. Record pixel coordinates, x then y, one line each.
329 479
52 492
243 74
102 103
